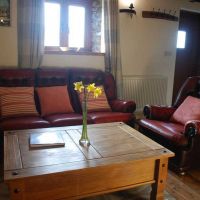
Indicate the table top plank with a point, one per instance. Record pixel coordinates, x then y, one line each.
12 157
49 156
142 138
90 153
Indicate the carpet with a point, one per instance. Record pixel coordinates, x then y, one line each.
139 193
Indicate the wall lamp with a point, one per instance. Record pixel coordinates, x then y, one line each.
129 10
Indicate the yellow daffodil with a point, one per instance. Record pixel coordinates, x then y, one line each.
78 86
97 92
91 87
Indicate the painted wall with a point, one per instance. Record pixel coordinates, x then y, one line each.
148 46
8 40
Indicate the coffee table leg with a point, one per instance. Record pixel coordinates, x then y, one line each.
158 187
16 190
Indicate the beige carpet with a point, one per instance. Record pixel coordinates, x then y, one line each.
140 193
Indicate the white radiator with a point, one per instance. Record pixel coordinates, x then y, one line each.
145 90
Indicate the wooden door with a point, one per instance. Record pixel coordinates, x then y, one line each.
188 58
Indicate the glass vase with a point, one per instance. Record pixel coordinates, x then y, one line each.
84 141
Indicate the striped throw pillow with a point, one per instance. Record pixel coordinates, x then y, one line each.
96 104
17 101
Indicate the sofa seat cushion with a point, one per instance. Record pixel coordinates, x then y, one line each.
106 117
23 123
69 119
172 132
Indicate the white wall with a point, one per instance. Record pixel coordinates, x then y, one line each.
8 40
94 61
148 46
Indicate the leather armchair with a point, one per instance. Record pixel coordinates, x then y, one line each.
182 139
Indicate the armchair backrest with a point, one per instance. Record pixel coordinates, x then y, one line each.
191 87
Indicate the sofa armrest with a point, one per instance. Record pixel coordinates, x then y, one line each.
192 128
162 113
122 106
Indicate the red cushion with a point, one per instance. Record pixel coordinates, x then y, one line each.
96 104
54 100
188 110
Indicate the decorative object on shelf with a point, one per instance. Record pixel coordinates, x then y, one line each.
171 16
86 90
4 12
129 10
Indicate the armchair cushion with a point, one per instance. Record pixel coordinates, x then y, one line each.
171 131
188 110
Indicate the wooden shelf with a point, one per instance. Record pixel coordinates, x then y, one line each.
159 15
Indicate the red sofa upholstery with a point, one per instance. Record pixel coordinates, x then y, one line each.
184 140
121 110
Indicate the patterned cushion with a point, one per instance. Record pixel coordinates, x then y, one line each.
54 100
96 104
17 101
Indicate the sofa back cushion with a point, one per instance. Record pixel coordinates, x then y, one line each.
87 76
110 86
17 101
96 104
17 77
54 100
188 110
47 77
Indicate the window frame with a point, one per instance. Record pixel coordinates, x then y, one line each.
64 5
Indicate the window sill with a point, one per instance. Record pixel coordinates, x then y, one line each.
73 52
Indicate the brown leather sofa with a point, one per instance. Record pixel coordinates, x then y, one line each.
184 140
121 110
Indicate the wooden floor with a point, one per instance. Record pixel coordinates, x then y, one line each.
180 187
184 187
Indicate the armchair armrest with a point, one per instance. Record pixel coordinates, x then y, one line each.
192 128
122 106
162 113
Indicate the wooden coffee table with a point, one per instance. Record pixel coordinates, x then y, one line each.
119 158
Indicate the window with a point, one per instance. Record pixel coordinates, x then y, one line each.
181 39
67 25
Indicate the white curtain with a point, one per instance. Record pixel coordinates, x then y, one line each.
112 43
30 33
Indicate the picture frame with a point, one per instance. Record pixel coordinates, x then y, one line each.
4 12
